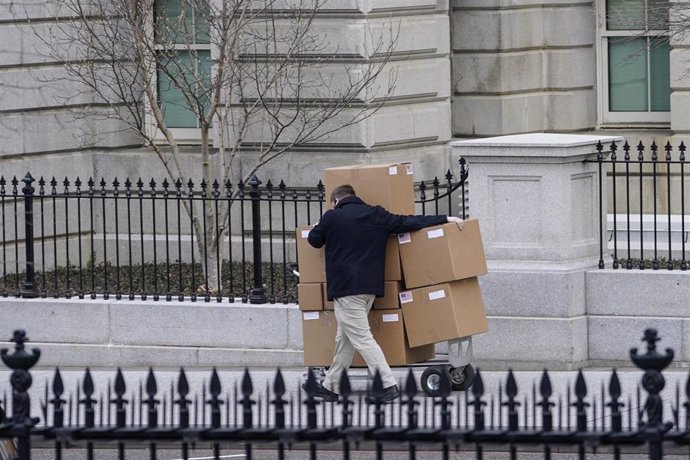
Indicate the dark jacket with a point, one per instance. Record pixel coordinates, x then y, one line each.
355 235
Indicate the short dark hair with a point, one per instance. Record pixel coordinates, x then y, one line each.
341 191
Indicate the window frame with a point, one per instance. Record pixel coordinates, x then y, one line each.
606 116
183 136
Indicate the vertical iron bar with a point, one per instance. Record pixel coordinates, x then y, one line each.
68 268
683 263
614 147
92 257
178 200
15 196
281 188
269 199
116 198
105 244
41 195
168 294
244 249
190 186
655 261
228 197
219 242
207 288
668 148
80 293
128 185
53 193
140 193
4 239
152 184
640 159
258 296
600 158
626 149
29 281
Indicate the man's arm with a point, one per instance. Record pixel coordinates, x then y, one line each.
396 223
317 235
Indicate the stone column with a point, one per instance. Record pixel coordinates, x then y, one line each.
538 207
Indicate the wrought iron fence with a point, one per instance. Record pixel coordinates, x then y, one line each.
281 418
130 240
646 223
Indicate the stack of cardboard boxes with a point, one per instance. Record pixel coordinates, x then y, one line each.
431 290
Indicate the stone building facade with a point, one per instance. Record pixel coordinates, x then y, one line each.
466 69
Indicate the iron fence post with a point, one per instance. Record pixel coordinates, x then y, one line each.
20 362
258 296
29 290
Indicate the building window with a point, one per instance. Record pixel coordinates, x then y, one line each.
635 54
183 61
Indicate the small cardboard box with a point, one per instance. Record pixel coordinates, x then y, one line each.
318 336
309 296
389 185
442 253
387 327
327 304
443 312
390 299
311 261
393 267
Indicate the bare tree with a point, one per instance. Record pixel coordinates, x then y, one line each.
253 77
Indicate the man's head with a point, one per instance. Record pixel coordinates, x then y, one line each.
340 192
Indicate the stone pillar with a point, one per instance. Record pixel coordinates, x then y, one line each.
538 207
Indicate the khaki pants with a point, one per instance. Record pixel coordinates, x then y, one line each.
353 333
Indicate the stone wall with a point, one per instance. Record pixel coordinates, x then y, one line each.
523 66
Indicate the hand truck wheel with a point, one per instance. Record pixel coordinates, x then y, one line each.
431 380
461 378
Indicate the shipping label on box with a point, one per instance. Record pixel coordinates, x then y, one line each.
311 261
441 254
444 312
389 185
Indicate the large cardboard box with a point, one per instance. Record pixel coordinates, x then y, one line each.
389 185
311 261
309 296
387 327
318 337
443 312
390 299
392 265
442 253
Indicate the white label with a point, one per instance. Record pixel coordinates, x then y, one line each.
309 315
390 318
408 169
405 297
305 233
438 233
404 238
392 170
434 295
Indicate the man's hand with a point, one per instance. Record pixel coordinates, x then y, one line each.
458 221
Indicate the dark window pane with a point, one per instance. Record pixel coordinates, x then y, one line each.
627 75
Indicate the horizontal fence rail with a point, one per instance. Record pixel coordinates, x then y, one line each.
168 240
280 417
646 224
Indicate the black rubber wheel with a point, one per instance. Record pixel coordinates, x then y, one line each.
431 380
461 378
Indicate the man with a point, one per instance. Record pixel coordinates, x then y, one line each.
355 235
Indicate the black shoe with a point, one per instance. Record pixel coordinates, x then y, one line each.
321 392
390 394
